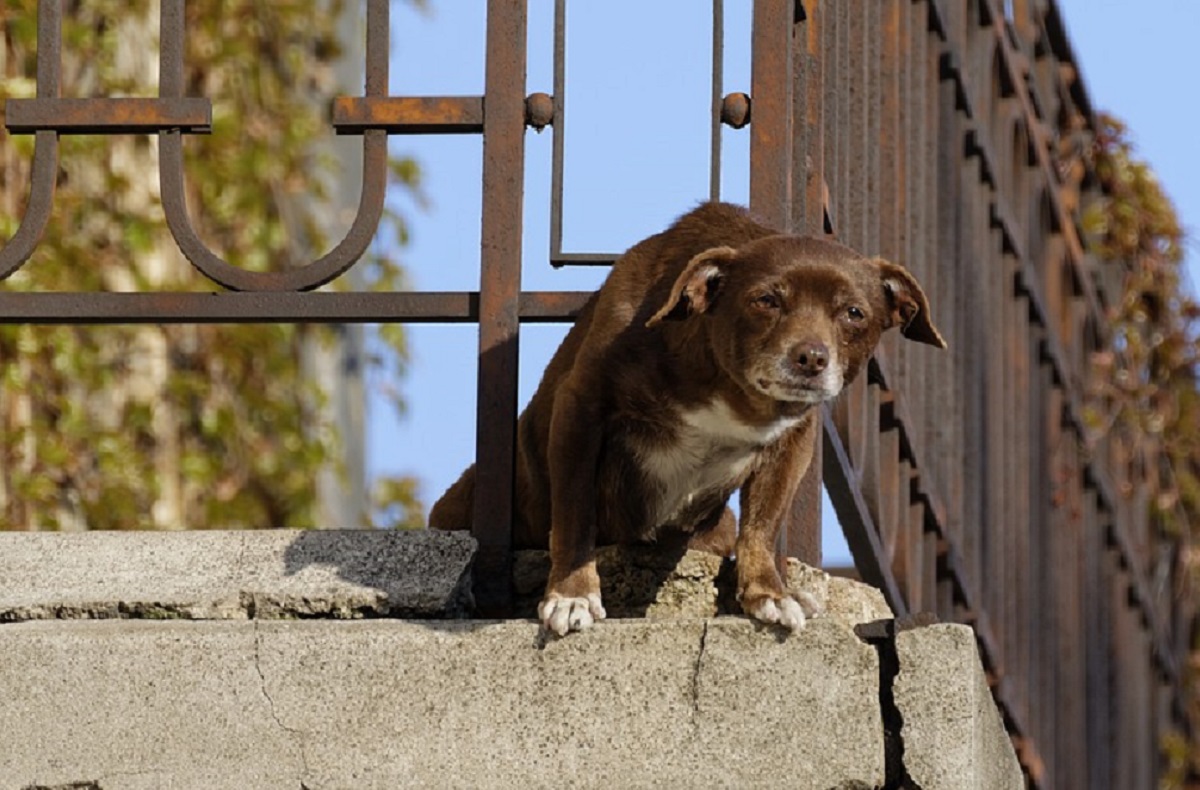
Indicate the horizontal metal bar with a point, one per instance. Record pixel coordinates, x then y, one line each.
409 114
275 307
108 116
583 259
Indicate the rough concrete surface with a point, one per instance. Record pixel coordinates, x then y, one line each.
133 705
210 660
234 575
952 734
648 581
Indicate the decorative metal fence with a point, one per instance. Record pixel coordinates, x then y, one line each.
935 133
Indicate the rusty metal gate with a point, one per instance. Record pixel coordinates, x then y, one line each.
926 131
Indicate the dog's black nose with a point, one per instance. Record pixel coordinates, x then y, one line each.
812 357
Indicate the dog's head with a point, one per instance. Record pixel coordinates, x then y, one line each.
795 318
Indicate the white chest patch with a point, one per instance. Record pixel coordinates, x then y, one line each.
712 448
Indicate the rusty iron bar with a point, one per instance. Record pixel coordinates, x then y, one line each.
718 87
733 110
107 116
558 134
499 302
773 173
862 536
409 115
259 307
44 173
559 258
771 96
428 114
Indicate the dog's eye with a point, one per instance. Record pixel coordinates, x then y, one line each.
767 301
855 314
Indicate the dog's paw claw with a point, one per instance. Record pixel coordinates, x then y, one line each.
563 615
786 612
812 606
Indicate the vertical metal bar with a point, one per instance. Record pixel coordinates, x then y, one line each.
718 88
499 301
772 175
810 73
771 128
378 36
558 130
170 51
49 53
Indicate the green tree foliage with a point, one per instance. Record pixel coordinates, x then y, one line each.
1148 377
177 426
1147 380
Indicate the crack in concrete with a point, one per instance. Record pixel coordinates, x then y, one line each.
695 682
296 733
162 777
881 635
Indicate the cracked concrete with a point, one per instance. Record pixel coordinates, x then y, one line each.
136 689
696 672
952 733
386 703
264 688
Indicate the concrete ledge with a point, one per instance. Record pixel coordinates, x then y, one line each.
134 705
654 582
234 575
205 660
952 733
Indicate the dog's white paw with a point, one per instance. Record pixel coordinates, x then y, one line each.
786 612
562 615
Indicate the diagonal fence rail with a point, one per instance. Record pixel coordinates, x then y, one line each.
929 132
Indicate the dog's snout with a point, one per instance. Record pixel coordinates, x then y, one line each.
812 357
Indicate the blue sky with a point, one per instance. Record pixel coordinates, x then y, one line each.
637 156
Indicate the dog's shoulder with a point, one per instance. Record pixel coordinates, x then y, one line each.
711 224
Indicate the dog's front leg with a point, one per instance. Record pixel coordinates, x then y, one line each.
572 599
765 498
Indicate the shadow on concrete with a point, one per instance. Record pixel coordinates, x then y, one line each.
356 574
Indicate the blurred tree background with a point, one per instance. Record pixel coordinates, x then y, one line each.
193 426
1146 392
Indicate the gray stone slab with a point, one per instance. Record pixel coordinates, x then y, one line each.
388 704
813 698
234 575
952 733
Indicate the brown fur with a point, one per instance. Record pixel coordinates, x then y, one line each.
717 309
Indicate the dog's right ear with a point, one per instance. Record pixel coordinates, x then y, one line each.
696 287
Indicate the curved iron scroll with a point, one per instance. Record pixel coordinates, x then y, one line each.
45 153
172 115
37 211
303 278
171 176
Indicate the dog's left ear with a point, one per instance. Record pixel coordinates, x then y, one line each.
908 305
696 286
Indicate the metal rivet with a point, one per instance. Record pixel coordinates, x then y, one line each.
735 110
539 110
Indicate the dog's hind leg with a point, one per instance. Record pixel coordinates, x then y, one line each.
720 539
454 509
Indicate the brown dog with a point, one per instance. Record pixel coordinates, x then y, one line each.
695 370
